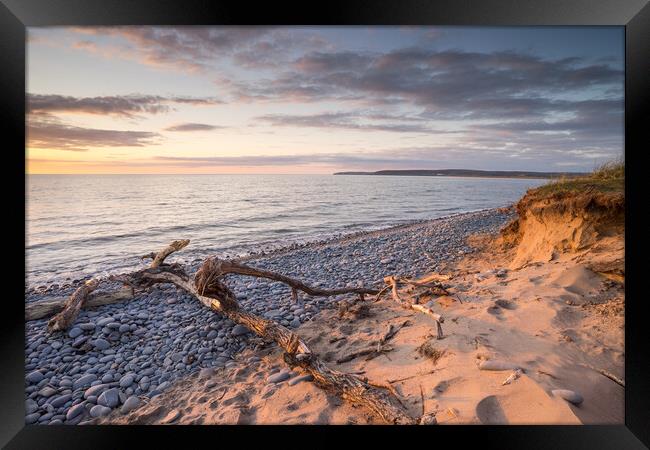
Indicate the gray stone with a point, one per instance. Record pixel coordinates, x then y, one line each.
107 378
95 390
99 411
75 411
109 398
130 404
127 380
35 377
105 321
75 332
61 400
570 396
80 340
101 344
239 330
47 391
84 381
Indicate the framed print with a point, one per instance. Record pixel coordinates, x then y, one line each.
390 218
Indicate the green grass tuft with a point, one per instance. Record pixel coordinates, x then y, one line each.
607 178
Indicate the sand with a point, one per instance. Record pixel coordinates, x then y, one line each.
558 319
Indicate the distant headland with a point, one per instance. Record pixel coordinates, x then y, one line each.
469 173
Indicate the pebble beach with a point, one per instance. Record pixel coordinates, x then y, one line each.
118 356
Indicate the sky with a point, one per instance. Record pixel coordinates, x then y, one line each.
306 100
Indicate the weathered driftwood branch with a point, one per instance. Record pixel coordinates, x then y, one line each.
208 287
71 309
412 303
233 267
64 319
46 308
171 248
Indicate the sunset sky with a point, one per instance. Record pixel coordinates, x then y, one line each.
322 99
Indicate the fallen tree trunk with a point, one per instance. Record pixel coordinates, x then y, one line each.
208 287
46 308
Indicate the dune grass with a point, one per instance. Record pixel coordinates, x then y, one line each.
607 178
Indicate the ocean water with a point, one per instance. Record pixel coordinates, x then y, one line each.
78 225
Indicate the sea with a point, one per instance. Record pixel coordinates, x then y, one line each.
81 225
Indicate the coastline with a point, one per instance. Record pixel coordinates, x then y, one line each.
554 321
65 287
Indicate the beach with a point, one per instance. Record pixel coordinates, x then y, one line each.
153 336
550 325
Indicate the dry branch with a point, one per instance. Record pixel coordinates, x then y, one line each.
233 267
392 331
171 248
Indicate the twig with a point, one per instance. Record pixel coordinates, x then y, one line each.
605 373
392 331
549 374
412 376
422 396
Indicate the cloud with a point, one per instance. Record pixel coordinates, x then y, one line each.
347 120
192 127
197 48
52 134
447 84
119 105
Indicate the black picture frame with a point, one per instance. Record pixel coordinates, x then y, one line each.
634 15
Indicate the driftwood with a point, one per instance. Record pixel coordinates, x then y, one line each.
209 288
64 319
233 267
412 302
46 308
71 309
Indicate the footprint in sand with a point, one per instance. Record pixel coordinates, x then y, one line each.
494 310
505 304
490 412
444 385
346 329
566 317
